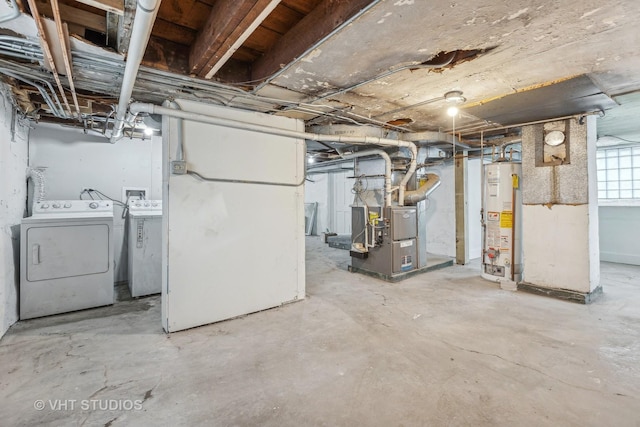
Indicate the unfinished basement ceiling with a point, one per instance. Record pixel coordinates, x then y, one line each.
385 62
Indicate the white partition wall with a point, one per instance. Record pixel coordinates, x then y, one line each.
232 248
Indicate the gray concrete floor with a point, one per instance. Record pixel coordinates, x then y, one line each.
441 349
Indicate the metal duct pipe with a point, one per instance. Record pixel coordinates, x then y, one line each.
14 13
415 196
146 12
136 108
36 175
387 170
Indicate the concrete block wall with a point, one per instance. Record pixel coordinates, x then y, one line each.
560 213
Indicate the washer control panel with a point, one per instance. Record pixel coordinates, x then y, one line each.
145 205
72 207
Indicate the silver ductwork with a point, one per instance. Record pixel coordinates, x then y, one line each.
413 197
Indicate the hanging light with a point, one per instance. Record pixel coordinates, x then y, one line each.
452 111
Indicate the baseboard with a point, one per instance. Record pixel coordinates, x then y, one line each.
563 294
619 258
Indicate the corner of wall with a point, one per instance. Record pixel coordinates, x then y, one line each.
13 195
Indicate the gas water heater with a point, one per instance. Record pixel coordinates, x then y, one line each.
502 221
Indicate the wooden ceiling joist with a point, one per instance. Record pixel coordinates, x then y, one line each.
230 23
319 23
113 6
71 15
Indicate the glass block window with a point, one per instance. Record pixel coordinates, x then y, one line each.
619 173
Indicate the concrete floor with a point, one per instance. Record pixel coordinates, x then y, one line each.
443 348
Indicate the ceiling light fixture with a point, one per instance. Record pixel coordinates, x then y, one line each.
454 96
452 111
148 131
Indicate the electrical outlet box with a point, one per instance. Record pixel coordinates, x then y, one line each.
178 167
134 193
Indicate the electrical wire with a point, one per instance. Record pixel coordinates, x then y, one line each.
102 196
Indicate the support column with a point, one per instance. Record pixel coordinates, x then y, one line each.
462 219
560 210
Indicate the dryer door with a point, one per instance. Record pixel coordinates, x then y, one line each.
55 252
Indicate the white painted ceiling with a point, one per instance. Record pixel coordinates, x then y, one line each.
526 47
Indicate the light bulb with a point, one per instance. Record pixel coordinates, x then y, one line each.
310 160
452 111
148 131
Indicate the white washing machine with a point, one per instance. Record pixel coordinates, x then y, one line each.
145 247
66 261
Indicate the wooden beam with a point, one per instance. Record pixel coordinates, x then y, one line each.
72 15
166 55
126 24
47 51
113 26
173 32
113 6
230 23
63 39
319 23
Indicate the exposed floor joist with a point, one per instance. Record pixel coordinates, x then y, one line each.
228 26
326 17
113 6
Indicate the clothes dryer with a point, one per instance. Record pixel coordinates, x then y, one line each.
66 261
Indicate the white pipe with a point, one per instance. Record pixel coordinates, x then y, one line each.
137 108
179 132
12 14
146 12
387 169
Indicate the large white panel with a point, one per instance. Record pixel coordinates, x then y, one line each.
562 259
441 225
232 248
341 199
474 205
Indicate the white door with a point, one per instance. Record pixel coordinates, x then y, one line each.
55 252
340 200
